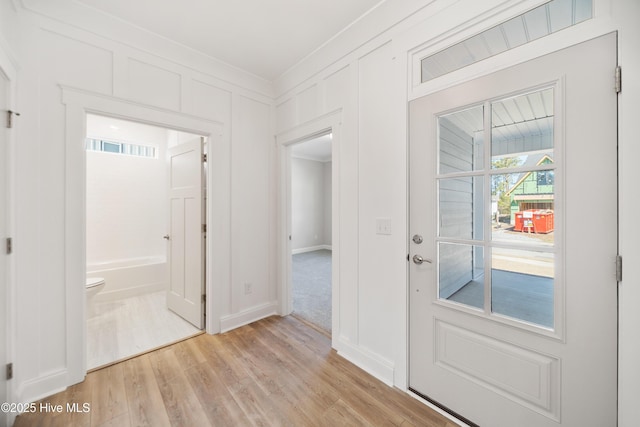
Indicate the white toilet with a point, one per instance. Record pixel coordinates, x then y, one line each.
94 285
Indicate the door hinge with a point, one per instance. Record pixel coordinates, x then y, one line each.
9 245
204 298
204 158
204 228
10 118
619 268
9 371
618 79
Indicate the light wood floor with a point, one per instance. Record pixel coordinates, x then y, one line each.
275 372
119 329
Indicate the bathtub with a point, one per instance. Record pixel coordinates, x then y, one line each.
130 277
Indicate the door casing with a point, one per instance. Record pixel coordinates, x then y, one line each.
78 103
329 123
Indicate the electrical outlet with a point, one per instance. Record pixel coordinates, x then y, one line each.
247 288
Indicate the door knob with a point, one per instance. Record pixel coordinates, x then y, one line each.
166 237
417 259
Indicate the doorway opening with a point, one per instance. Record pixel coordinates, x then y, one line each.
311 230
130 238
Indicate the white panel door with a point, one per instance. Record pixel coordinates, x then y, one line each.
186 236
513 227
3 237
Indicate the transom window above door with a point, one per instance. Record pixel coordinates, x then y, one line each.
496 203
539 22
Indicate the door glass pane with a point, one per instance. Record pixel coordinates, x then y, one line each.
460 207
460 137
522 130
522 207
522 285
461 274
519 177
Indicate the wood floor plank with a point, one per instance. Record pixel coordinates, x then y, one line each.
165 365
188 353
109 396
217 402
227 365
274 372
120 421
341 414
258 405
266 369
180 401
78 400
314 395
146 407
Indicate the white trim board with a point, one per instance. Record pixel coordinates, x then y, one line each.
330 122
247 316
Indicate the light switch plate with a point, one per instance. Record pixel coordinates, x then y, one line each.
383 226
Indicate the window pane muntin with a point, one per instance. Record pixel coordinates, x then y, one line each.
544 243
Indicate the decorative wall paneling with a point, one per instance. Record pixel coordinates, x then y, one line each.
177 86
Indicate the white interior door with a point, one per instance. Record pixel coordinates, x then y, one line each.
186 235
513 309
3 237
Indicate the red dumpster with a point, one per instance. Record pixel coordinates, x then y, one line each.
534 221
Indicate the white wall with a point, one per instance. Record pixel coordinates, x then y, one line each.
309 208
371 71
126 195
368 71
96 57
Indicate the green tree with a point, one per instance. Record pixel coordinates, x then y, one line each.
500 184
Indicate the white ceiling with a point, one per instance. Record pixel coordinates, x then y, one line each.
265 38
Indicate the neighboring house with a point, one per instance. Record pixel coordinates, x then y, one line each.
534 189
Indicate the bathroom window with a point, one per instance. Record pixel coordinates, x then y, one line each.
120 148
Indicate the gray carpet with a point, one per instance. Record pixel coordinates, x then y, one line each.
521 296
312 287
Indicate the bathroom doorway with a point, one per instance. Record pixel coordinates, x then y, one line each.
311 230
131 234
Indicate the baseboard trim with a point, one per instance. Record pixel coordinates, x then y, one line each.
247 316
372 363
310 249
116 294
43 386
